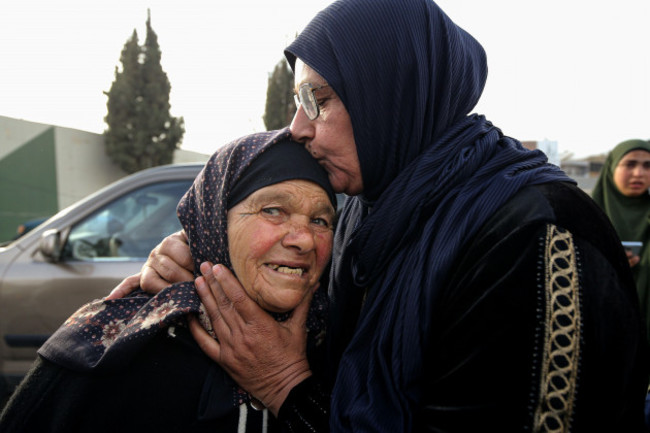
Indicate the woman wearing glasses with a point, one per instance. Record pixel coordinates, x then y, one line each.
473 286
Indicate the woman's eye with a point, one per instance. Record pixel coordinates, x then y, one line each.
321 102
321 222
272 211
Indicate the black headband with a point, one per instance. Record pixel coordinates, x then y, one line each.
282 161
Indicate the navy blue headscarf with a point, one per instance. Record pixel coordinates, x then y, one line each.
432 175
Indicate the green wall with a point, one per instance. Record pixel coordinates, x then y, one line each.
28 187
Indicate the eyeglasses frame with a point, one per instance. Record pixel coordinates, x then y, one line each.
312 99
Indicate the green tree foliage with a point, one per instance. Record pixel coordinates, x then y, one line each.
280 107
141 132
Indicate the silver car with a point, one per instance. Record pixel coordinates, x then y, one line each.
80 254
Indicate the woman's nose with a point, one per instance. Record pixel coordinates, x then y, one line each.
639 170
301 127
299 236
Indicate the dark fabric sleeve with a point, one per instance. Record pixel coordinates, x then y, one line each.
306 409
481 355
45 401
486 368
162 390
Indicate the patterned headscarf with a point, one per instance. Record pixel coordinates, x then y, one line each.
105 334
432 174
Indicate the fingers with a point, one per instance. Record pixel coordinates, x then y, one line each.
160 272
209 289
176 247
209 302
128 285
170 262
263 356
231 296
208 345
231 311
632 259
299 317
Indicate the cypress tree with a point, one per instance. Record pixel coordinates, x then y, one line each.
280 107
141 132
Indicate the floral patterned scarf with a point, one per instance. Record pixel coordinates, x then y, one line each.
105 334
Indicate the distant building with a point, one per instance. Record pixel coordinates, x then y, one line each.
585 171
576 168
548 147
45 168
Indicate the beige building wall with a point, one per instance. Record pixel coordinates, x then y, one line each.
182 156
45 168
15 132
82 166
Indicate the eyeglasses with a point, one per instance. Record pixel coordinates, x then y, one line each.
307 99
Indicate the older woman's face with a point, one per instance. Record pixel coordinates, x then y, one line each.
329 137
280 240
632 174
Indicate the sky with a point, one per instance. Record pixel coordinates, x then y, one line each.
572 71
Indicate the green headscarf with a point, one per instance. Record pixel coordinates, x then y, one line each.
630 217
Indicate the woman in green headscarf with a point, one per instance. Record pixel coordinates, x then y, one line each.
622 192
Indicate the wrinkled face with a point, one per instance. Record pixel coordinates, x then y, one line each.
632 174
329 137
280 240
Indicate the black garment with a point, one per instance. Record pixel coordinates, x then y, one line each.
129 364
169 386
486 360
432 174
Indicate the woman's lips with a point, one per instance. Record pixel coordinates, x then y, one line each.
287 269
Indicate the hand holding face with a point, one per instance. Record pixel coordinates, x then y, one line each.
265 357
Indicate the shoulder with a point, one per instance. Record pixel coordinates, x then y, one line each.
558 203
545 261
513 243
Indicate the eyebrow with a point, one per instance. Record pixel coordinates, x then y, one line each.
327 86
636 161
286 198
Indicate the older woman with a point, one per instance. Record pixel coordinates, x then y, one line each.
473 286
622 192
261 206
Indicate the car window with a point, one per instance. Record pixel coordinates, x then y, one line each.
129 227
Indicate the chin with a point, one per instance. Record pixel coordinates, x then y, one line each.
281 306
637 193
